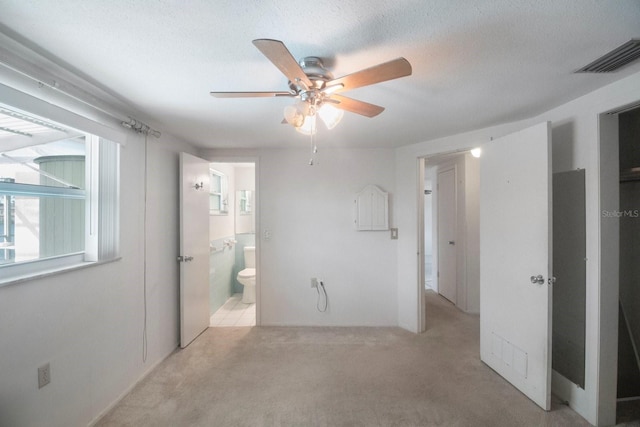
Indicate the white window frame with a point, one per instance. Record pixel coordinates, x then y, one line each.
221 191
102 200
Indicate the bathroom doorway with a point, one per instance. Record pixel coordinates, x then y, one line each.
233 244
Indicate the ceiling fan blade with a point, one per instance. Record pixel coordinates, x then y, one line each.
394 69
280 56
250 94
355 106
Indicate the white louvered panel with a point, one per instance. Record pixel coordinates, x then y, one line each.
109 201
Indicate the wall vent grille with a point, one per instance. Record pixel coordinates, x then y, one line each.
614 60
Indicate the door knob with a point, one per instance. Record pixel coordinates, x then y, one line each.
537 280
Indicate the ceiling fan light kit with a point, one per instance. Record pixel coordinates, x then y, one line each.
303 116
317 90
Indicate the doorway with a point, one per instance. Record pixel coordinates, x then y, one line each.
628 379
233 250
449 215
619 131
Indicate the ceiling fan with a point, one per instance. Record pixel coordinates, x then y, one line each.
317 90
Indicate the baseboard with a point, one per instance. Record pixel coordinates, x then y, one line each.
131 387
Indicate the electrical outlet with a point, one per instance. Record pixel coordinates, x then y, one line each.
314 282
44 375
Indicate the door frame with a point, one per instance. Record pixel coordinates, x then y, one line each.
256 161
609 233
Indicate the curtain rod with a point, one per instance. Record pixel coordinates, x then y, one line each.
139 127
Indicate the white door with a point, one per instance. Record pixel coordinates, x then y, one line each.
194 247
515 244
447 234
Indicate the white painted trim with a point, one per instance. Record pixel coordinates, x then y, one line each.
133 385
605 330
422 309
36 106
30 72
569 392
54 270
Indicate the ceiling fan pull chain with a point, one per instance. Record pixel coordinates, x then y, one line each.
314 148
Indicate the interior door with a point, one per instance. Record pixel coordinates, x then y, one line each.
515 252
447 234
194 247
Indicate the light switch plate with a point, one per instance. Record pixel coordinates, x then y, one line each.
394 234
44 375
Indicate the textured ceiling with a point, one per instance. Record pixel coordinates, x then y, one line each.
475 63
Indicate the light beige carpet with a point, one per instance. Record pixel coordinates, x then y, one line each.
267 376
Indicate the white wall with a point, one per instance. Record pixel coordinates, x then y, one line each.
245 177
309 212
575 145
88 323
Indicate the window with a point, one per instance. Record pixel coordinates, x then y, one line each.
218 193
58 196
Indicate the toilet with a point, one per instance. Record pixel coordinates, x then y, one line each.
247 277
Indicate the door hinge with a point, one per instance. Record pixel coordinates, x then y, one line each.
185 258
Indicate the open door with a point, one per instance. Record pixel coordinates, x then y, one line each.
194 247
515 260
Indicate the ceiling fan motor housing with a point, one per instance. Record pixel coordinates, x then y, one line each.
315 70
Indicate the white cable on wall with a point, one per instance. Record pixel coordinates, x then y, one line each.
144 255
322 295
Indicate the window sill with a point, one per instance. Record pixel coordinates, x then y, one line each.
16 279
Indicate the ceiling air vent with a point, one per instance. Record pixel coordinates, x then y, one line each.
614 60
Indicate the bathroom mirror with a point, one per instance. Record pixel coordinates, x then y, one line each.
244 211
218 193
245 202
